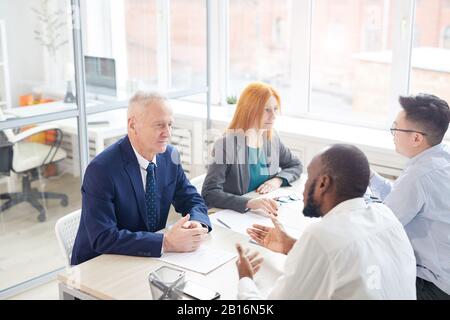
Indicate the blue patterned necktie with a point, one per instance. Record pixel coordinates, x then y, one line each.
150 197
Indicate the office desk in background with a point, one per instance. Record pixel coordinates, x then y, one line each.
40 109
103 129
126 277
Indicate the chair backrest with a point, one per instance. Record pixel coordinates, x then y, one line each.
66 229
6 154
8 132
197 182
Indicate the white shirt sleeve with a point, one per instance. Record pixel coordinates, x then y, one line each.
247 290
307 275
380 186
307 272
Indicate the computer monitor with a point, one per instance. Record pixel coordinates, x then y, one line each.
100 76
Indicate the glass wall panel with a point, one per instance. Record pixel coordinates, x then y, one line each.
39 183
39 162
120 47
36 57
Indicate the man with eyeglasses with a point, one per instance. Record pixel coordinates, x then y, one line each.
420 197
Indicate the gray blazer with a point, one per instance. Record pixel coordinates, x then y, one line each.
228 174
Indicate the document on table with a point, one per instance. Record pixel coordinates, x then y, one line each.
203 260
239 222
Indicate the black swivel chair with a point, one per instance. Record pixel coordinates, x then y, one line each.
27 159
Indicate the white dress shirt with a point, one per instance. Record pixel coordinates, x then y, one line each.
420 198
357 251
143 164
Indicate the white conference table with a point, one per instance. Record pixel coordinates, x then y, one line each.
126 277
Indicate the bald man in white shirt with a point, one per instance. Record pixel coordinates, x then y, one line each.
357 250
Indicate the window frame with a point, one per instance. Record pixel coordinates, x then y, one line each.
404 17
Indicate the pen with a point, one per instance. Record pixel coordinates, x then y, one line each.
223 223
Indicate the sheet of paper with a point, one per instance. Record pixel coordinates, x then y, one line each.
204 260
291 218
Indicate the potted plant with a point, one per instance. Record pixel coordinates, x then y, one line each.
51 32
232 99
52 26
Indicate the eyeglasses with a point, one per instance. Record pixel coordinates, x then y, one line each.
286 199
405 130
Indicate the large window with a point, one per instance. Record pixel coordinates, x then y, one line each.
431 53
141 43
351 59
126 33
347 75
259 44
188 44
154 43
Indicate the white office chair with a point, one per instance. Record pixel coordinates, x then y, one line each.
66 229
27 159
197 182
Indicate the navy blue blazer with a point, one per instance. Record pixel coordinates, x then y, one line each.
113 217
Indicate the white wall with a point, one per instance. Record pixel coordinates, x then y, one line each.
25 55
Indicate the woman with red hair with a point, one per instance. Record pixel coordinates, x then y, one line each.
250 156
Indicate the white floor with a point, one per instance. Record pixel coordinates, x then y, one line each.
48 291
29 248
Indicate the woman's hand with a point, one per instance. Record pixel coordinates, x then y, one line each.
269 206
270 185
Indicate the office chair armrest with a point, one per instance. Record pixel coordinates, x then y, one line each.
32 131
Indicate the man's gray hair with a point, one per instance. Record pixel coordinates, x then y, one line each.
145 98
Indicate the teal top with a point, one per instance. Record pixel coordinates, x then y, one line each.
257 167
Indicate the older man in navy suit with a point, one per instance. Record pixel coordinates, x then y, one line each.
128 189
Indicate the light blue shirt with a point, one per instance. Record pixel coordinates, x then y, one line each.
420 198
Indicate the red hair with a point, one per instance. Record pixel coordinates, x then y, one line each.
250 107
